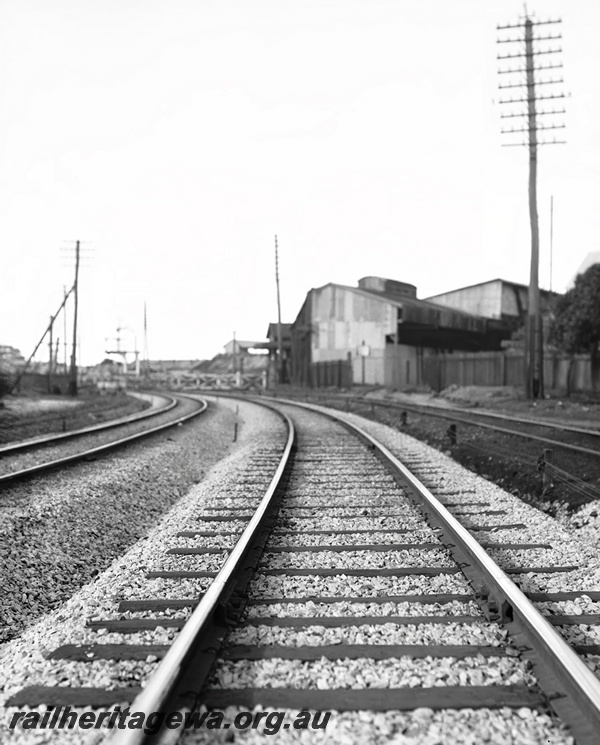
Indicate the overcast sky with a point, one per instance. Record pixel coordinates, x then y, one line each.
175 138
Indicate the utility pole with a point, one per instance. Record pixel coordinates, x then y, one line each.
145 349
279 339
551 236
37 346
65 342
50 354
73 370
534 351
56 346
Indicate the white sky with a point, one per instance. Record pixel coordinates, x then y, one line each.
175 138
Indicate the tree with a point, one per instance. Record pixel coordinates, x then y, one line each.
5 383
576 327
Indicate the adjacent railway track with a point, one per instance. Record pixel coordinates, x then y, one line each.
21 460
555 460
168 403
348 562
575 439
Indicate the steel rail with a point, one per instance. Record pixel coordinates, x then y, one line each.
100 449
516 433
161 685
520 419
48 439
440 411
452 416
574 675
448 413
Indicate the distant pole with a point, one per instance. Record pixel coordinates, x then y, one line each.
73 370
534 351
37 346
551 236
279 340
65 342
234 354
50 353
145 351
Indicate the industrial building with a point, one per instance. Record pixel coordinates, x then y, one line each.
497 298
379 333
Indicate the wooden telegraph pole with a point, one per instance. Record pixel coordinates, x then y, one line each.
534 350
279 339
73 370
50 353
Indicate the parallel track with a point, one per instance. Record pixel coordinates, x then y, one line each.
475 419
91 452
384 511
55 437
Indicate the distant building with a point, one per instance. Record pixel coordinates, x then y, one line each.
235 346
497 298
382 331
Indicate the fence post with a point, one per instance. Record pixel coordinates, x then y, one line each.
546 460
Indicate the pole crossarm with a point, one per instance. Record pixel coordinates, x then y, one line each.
557 66
529 55
532 99
537 38
537 113
530 22
537 82
527 129
539 142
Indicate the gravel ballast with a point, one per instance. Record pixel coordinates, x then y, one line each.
420 727
61 530
345 508
23 661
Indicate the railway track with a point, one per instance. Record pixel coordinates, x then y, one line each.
21 460
551 460
574 438
352 588
159 404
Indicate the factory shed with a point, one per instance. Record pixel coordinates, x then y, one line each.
378 334
496 298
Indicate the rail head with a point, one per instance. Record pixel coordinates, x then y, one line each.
163 681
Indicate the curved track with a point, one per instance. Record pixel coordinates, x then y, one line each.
47 457
355 534
50 439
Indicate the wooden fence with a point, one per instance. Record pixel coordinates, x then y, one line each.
502 368
332 373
